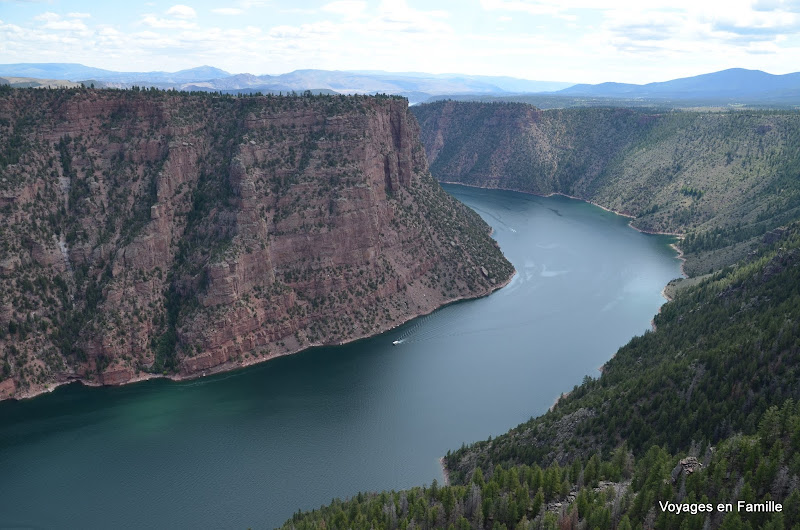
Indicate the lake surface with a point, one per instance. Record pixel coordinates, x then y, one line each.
248 448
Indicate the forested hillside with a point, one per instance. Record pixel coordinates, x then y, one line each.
723 352
722 178
704 410
619 491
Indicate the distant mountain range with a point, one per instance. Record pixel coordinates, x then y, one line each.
37 82
727 87
79 72
733 85
415 86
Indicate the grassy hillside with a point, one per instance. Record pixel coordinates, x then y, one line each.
722 178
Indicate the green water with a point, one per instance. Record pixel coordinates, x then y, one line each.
248 448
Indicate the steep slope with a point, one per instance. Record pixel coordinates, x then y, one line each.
724 179
153 233
723 352
744 482
702 411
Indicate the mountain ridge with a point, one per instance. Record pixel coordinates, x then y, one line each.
416 86
725 87
78 72
730 83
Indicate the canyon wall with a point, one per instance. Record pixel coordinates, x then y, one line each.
724 179
147 233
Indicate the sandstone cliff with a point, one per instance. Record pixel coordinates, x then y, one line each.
723 178
152 233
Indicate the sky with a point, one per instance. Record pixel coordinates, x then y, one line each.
583 41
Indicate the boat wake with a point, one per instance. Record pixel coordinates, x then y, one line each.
435 324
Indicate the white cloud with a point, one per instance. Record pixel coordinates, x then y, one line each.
304 31
397 16
166 23
346 8
298 11
247 4
538 7
48 16
623 41
54 21
227 11
66 25
776 5
108 31
150 35
182 11
658 27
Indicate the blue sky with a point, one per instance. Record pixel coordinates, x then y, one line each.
557 40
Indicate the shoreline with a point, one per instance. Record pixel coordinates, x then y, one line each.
563 395
683 263
674 246
663 293
587 201
231 366
680 255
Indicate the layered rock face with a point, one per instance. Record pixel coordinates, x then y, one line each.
152 233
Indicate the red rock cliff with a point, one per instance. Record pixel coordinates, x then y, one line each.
152 233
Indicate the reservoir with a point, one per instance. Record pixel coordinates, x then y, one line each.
249 448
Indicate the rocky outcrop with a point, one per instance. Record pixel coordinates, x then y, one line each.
159 234
687 466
